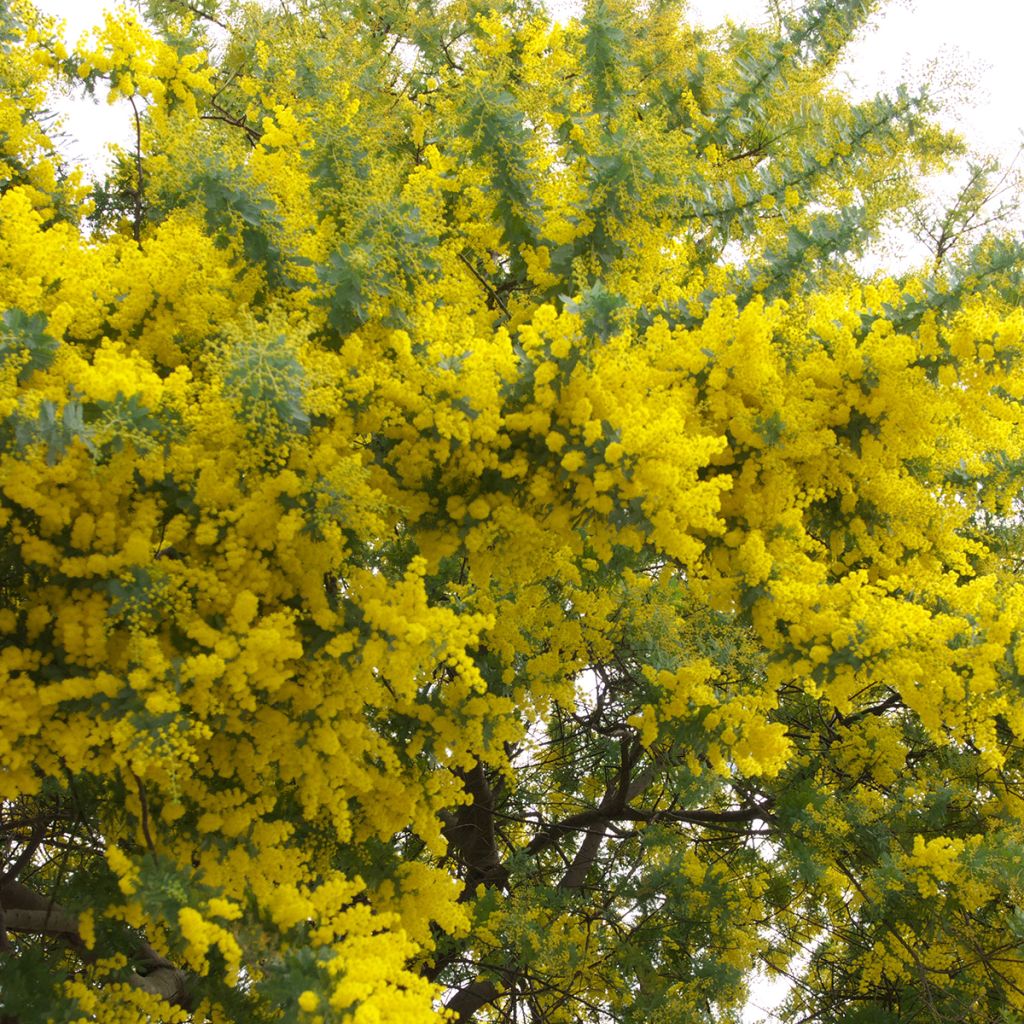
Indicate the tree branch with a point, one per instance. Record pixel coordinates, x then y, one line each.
614 801
603 815
27 911
236 122
468 1000
15 868
471 834
139 185
200 13
495 297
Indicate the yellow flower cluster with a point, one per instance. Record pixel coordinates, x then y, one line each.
936 862
137 63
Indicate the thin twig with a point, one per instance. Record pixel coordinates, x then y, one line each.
137 226
495 297
237 122
39 827
200 13
144 804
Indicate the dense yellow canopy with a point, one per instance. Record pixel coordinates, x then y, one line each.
469 537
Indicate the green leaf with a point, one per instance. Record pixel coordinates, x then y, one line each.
24 338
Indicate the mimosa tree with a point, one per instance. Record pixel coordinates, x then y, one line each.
471 545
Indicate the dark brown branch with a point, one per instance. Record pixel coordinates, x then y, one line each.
603 815
200 13
495 297
446 50
758 812
555 830
15 868
471 834
581 864
614 801
236 122
890 702
468 1000
144 805
137 222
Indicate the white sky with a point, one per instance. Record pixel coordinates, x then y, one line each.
921 41
929 42
967 54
